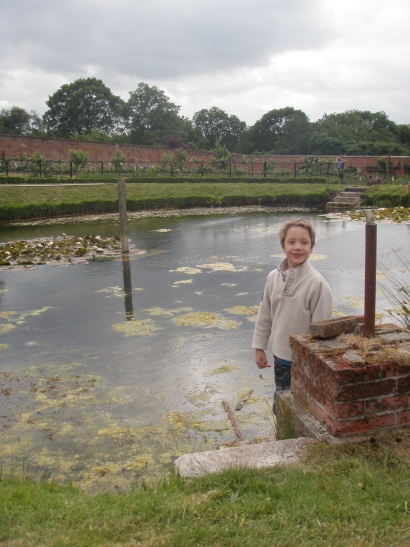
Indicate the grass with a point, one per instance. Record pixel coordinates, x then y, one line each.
18 202
346 494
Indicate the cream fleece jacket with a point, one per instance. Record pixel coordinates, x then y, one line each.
291 301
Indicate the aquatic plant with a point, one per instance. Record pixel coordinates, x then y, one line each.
61 249
397 292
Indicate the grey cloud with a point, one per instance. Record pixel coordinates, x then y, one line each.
158 39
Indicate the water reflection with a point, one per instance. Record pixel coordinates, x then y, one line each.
126 273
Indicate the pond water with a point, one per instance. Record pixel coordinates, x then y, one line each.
110 369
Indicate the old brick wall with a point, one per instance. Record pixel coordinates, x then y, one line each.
350 392
16 147
59 149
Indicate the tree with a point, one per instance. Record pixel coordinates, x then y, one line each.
78 158
83 107
17 121
151 116
118 159
355 132
216 125
281 131
221 157
404 134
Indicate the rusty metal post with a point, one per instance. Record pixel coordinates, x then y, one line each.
122 208
370 275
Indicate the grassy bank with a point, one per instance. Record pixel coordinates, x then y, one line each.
25 202
350 494
47 201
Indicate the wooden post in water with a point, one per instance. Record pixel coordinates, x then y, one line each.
122 208
370 275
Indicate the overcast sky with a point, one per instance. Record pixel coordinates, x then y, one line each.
245 57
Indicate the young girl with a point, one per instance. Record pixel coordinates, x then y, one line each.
295 296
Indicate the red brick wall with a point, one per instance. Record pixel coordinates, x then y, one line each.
355 396
58 149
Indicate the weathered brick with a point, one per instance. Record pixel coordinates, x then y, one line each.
367 390
362 425
382 404
350 397
346 410
403 384
403 418
336 326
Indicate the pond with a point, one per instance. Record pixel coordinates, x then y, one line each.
111 368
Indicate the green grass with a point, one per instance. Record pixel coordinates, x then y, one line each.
349 494
18 202
25 202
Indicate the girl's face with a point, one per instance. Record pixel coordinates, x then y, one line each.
297 246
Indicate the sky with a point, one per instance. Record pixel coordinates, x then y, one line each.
245 57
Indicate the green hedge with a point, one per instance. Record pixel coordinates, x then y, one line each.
162 179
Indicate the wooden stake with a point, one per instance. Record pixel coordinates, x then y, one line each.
241 402
233 421
122 207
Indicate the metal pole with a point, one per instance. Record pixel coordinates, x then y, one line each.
122 208
370 275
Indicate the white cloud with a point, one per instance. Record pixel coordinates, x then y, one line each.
245 57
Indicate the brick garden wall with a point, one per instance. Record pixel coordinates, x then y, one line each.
16 147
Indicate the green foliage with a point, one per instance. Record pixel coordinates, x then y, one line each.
118 160
17 121
215 125
78 158
177 159
83 107
221 157
151 116
356 132
39 163
281 131
87 109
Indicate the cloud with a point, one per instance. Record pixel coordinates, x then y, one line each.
245 57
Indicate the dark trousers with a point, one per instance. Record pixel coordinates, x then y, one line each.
282 378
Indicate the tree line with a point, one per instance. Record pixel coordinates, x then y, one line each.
87 109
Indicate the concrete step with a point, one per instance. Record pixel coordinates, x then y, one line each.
255 456
351 194
347 199
341 206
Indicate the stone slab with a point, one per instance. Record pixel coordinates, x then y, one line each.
336 326
256 456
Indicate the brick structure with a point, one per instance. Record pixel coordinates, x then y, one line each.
352 391
21 148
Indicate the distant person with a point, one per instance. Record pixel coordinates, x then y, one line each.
295 296
340 169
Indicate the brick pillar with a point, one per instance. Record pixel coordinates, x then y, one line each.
354 390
